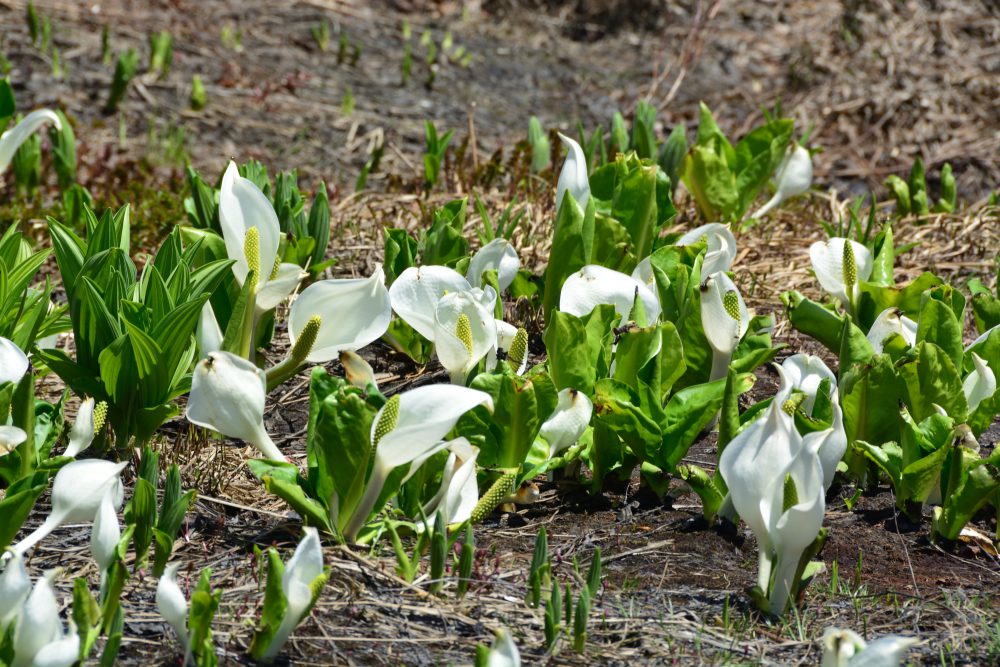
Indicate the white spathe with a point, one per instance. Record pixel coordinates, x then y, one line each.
209 335
354 312
498 255
301 571
14 588
242 206
228 395
724 325
827 259
425 415
12 139
459 491
793 177
417 290
10 438
13 361
82 433
505 338
39 627
568 421
503 651
594 285
476 305
845 648
574 177
891 321
980 384
720 249
77 493
806 372
755 465
106 532
172 604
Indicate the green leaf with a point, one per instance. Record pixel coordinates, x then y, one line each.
273 609
572 243
931 379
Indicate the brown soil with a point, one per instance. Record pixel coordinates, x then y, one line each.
882 82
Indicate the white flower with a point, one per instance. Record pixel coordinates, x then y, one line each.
980 384
503 652
13 362
464 330
14 588
297 582
106 532
354 312
594 285
459 491
574 177
82 433
208 336
10 438
793 176
891 321
417 290
840 264
845 648
724 318
498 255
12 139
406 428
721 246
775 481
242 206
228 395
77 493
568 421
38 635
806 372
172 604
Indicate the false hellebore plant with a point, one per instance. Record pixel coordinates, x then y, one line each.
358 457
777 480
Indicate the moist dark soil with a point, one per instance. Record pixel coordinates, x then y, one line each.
880 83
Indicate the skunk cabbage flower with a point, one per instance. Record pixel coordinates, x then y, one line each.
806 372
512 340
302 581
574 177
497 255
503 652
775 480
357 371
845 648
459 491
172 604
77 493
12 139
464 330
840 265
724 318
721 246
10 438
13 362
594 285
14 588
568 421
208 336
106 532
38 636
242 207
793 177
354 312
980 384
85 427
228 395
408 426
417 290
891 321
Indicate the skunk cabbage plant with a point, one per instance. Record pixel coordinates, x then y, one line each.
793 177
594 285
845 648
574 176
725 319
840 265
12 139
13 361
